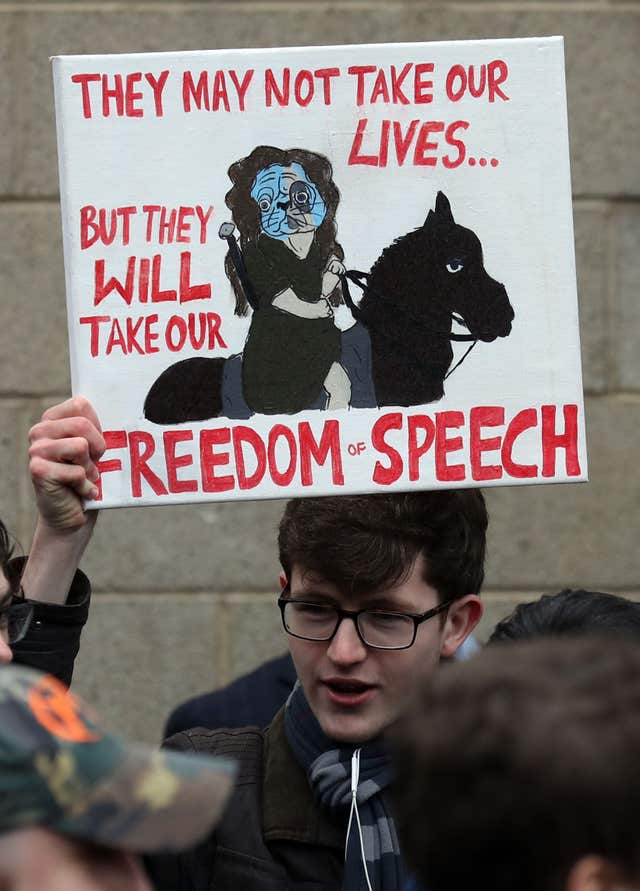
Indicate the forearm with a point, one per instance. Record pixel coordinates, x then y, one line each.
52 641
288 301
66 446
329 283
53 560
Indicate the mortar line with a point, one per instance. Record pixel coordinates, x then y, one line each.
357 5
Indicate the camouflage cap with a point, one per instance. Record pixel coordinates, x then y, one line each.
60 769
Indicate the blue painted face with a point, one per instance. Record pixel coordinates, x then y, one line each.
289 202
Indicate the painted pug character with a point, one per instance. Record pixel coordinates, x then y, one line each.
284 204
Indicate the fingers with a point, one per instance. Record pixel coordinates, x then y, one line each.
49 475
71 439
77 406
65 446
336 267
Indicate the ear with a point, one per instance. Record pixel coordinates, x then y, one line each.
430 221
462 617
282 579
442 214
595 874
443 208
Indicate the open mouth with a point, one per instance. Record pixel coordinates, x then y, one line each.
348 692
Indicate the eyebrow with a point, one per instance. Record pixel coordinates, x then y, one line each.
382 602
377 602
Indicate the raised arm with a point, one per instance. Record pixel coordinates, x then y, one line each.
64 448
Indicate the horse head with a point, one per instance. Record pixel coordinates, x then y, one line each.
460 282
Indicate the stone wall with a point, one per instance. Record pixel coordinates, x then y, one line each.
184 595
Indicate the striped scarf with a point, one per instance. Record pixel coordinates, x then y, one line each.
328 770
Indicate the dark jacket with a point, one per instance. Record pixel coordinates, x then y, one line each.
250 701
272 837
51 644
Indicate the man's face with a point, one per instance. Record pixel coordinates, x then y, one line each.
356 691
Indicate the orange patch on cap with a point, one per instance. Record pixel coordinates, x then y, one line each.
59 711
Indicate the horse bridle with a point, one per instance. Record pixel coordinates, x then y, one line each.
357 277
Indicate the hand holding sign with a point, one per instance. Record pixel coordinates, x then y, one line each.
65 447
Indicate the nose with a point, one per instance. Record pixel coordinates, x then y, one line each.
346 648
5 651
282 205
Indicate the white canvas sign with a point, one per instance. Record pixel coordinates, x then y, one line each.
330 269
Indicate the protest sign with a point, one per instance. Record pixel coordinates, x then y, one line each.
322 269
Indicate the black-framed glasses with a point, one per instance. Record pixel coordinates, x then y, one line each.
377 628
15 618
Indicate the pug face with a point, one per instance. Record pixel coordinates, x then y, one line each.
288 201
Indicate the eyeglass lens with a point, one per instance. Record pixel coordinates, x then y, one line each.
378 629
15 621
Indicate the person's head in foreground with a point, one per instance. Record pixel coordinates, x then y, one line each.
378 589
519 770
59 771
572 611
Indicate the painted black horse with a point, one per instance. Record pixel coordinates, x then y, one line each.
399 350
417 286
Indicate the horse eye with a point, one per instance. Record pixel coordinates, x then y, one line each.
264 204
455 266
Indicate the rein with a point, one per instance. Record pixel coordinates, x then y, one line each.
417 361
357 277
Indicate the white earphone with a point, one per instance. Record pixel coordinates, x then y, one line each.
355 776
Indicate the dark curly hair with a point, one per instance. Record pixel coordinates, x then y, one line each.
246 213
370 542
572 611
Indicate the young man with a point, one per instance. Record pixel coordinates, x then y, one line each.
518 769
378 590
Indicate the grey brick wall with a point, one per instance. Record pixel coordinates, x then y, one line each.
185 595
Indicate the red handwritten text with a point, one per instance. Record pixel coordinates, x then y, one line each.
125 95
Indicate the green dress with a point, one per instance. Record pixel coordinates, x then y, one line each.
285 358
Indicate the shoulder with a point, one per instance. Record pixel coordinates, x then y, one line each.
250 700
52 641
243 744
